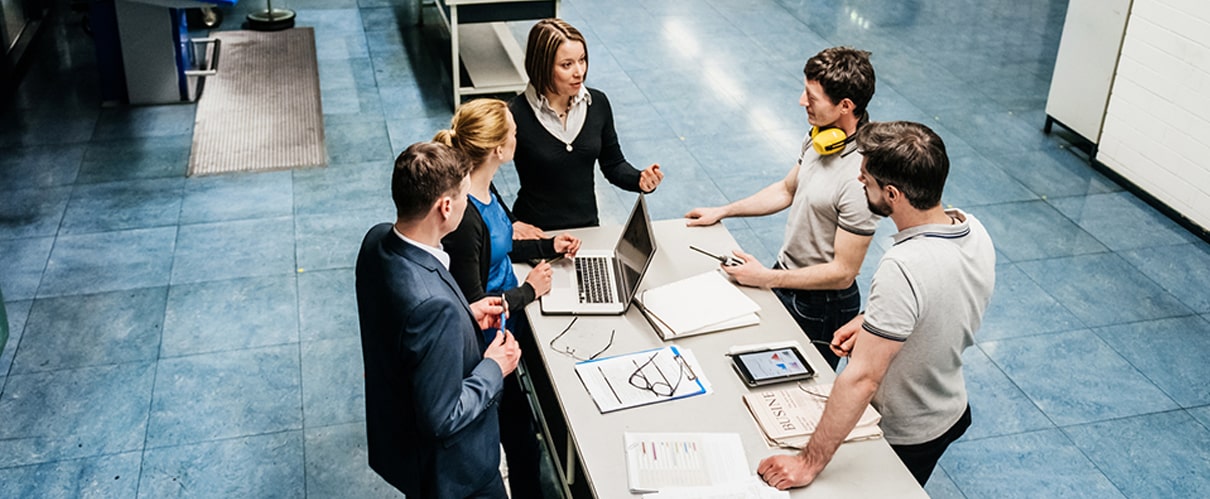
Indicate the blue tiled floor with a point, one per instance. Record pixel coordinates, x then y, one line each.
197 336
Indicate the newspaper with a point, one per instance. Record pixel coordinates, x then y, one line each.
788 416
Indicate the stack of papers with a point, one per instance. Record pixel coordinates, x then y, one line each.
642 378
688 465
699 304
788 417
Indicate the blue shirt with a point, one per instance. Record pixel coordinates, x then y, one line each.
500 275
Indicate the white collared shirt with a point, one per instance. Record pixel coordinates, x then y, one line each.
577 114
437 252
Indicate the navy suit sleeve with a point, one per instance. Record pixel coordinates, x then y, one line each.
614 166
448 401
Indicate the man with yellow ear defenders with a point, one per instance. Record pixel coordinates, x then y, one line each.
830 224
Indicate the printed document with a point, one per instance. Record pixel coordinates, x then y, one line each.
655 461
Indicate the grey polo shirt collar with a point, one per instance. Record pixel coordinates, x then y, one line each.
577 114
960 228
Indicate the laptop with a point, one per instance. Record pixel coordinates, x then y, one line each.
599 282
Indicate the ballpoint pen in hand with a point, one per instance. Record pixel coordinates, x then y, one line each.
729 261
534 262
504 312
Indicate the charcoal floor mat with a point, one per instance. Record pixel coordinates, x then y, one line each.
262 110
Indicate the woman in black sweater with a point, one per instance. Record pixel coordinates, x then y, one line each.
563 128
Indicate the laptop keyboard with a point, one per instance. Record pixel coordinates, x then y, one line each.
593 276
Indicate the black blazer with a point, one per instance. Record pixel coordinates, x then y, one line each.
431 397
470 249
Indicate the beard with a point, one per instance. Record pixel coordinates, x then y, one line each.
882 210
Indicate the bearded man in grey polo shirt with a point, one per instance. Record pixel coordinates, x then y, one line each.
927 300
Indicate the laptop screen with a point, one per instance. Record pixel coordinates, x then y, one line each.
635 248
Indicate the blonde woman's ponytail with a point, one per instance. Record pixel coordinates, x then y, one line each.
477 128
446 137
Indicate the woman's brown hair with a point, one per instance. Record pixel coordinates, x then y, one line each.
545 38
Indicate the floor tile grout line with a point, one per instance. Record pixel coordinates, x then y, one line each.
1132 364
1178 407
1020 390
951 479
82 367
298 327
1128 196
1123 418
1057 300
1094 464
1205 424
161 358
33 300
192 355
300 430
1063 430
154 380
71 459
1083 327
1115 254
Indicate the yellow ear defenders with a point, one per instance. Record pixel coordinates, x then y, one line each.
829 140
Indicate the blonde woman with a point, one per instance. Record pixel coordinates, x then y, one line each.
481 251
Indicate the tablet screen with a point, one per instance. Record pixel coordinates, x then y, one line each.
772 364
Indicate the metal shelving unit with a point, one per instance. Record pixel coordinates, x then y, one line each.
481 42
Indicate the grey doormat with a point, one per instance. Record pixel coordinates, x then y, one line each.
262 110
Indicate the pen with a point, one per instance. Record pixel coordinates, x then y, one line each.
725 260
504 312
533 262
615 394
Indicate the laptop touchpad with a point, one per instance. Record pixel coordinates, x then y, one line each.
564 275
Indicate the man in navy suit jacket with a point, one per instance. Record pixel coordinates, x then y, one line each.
432 384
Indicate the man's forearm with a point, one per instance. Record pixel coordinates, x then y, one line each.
847 402
772 199
829 275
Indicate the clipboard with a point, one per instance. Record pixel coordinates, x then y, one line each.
641 378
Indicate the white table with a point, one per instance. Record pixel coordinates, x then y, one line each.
588 444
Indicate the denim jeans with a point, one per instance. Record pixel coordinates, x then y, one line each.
819 313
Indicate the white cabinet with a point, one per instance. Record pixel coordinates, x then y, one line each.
1085 65
1130 77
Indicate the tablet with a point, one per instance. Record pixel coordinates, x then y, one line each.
770 366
